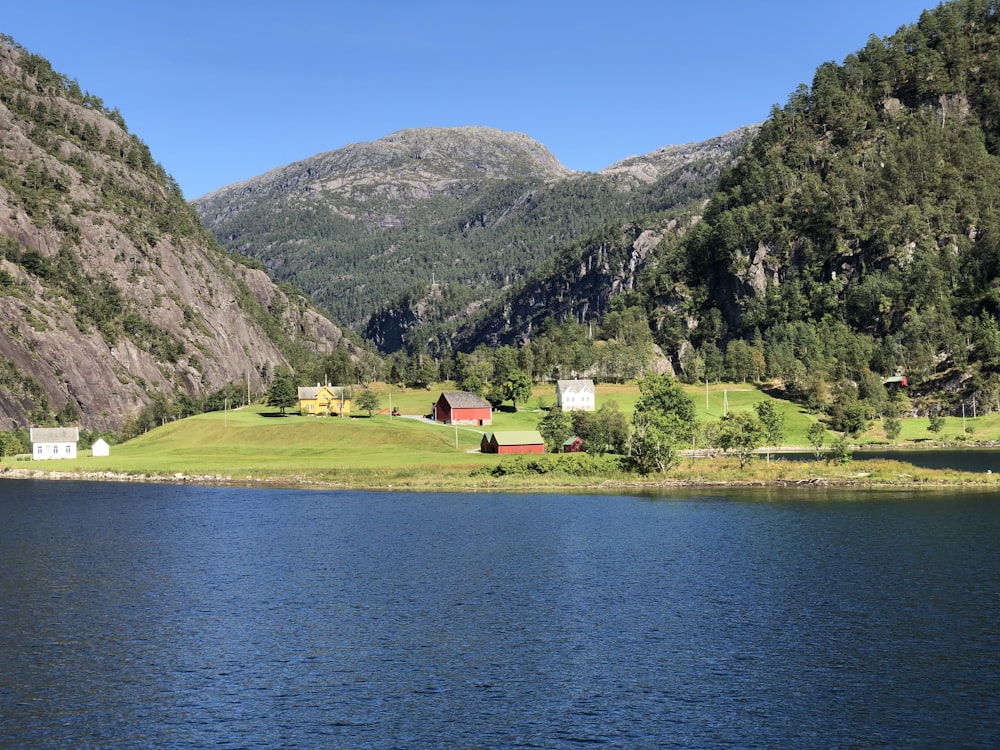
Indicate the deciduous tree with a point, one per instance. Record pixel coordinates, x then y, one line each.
740 433
773 422
556 428
817 434
892 427
368 400
517 387
663 399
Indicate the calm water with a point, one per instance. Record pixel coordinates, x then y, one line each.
174 617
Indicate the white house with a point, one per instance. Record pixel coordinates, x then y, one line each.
100 448
575 395
54 442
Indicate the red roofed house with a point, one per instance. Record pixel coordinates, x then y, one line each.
462 407
525 441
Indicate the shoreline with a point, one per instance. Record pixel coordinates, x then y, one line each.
860 480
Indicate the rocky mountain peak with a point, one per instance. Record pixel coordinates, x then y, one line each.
379 181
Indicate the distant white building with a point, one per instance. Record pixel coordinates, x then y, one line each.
100 448
575 395
54 442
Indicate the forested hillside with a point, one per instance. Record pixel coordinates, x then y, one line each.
855 239
116 304
366 230
860 231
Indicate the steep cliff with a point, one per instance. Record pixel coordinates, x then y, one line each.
111 293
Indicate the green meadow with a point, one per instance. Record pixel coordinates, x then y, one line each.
256 444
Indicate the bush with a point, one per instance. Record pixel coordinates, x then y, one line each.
569 465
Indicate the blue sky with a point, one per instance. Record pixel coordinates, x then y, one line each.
224 91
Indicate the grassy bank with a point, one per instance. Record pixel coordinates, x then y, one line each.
257 445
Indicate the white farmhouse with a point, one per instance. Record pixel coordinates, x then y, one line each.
54 442
100 448
575 395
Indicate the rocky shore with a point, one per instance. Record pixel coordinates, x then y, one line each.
111 476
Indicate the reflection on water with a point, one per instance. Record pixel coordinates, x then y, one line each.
188 617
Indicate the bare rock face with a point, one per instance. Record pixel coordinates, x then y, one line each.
581 292
379 181
674 160
111 293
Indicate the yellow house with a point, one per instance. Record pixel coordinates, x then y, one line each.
325 400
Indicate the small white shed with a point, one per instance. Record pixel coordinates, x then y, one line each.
100 448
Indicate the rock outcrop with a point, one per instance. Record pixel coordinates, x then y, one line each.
111 293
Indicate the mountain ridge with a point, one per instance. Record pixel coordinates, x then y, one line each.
474 207
358 170
114 298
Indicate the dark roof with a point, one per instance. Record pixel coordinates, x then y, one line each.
55 434
464 400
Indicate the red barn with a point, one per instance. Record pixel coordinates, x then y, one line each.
525 441
462 407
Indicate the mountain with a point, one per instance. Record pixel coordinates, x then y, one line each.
579 281
853 236
113 297
860 231
856 237
367 230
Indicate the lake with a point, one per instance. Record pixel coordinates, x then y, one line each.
185 617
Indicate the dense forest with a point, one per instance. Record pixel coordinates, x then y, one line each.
860 231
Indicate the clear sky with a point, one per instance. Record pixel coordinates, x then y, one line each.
224 90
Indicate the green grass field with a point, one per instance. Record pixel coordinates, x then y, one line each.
255 441
256 444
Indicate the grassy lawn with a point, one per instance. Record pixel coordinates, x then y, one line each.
735 397
256 443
